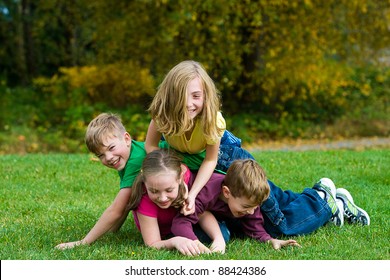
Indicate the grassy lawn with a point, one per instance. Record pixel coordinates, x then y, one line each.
53 198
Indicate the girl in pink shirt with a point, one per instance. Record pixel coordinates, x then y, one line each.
159 191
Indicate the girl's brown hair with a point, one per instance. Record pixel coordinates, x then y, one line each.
246 178
156 162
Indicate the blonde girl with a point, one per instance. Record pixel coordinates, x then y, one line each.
186 112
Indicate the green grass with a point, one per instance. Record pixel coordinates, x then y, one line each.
53 198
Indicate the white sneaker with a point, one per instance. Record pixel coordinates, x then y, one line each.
352 213
327 186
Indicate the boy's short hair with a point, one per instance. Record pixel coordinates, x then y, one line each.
100 128
246 178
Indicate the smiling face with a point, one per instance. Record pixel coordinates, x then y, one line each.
115 151
163 188
239 206
195 97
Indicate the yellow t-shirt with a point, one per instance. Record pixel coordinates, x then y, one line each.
197 142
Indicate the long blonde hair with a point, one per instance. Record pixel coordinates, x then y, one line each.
156 162
246 178
168 108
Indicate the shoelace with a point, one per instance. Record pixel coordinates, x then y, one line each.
355 218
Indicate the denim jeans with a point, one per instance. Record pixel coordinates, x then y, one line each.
284 212
204 238
228 153
230 139
289 213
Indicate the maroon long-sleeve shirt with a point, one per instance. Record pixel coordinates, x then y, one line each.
208 200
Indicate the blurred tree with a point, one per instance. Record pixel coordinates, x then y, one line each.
42 35
278 57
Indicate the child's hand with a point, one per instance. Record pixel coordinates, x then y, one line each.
218 246
203 249
190 247
70 245
277 244
189 206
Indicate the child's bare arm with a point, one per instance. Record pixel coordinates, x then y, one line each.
205 171
111 220
152 138
210 225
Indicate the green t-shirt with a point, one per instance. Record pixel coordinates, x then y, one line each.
193 161
138 153
128 174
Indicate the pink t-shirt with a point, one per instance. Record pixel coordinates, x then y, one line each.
164 216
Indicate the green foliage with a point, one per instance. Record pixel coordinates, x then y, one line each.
297 67
359 107
250 47
80 93
49 199
53 115
115 85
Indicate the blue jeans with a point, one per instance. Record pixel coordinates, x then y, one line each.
229 153
204 238
289 213
284 212
230 150
230 139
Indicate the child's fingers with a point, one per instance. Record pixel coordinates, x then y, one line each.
189 247
203 249
194 249
293 243
68 245
185 211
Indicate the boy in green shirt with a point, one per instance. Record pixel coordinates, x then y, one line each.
108 139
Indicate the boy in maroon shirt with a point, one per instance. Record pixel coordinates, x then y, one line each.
238 194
